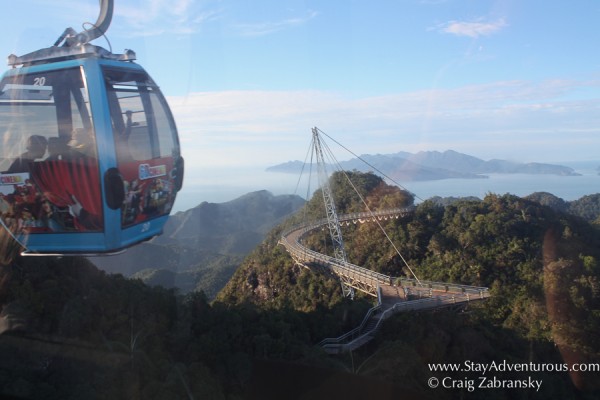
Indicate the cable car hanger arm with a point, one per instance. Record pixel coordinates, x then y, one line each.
71 38
76 44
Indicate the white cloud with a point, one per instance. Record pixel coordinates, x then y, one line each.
500 120
473 29
157 17
266 28
185 17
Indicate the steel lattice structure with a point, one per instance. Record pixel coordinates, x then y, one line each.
333 221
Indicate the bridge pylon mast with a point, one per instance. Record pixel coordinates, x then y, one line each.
333 221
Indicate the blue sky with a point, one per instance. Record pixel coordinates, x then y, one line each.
247 80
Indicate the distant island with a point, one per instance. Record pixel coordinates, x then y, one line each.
435 165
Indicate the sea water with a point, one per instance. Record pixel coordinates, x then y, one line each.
566 187
220 185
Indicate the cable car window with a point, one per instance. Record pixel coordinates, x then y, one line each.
145 143
143 127
49 178
53 105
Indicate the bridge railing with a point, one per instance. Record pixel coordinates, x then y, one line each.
421 285
422 304
306 255
354 333
352 216
291 240
347 341
340 267
381 213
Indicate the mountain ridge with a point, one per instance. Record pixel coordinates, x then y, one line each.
435 165
200 248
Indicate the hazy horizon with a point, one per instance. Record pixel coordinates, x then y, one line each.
223 184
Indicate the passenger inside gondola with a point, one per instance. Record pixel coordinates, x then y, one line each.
35 149
58 149
82 144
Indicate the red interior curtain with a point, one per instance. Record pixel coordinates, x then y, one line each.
66 181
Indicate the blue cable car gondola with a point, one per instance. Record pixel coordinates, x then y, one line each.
90 161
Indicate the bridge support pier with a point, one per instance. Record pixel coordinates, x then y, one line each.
347 290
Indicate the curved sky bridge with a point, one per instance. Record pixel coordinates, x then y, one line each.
370 282
393 293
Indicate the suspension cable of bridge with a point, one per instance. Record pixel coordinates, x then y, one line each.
322 150
370 165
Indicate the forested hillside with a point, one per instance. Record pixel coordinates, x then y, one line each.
71 331
587 207
269 277
541 265
201 248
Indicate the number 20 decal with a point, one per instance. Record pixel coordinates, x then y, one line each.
41 81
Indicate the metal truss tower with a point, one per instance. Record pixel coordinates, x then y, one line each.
333 221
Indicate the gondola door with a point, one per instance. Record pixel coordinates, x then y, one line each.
147 152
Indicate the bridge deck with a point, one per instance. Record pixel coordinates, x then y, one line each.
362 278
394 294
